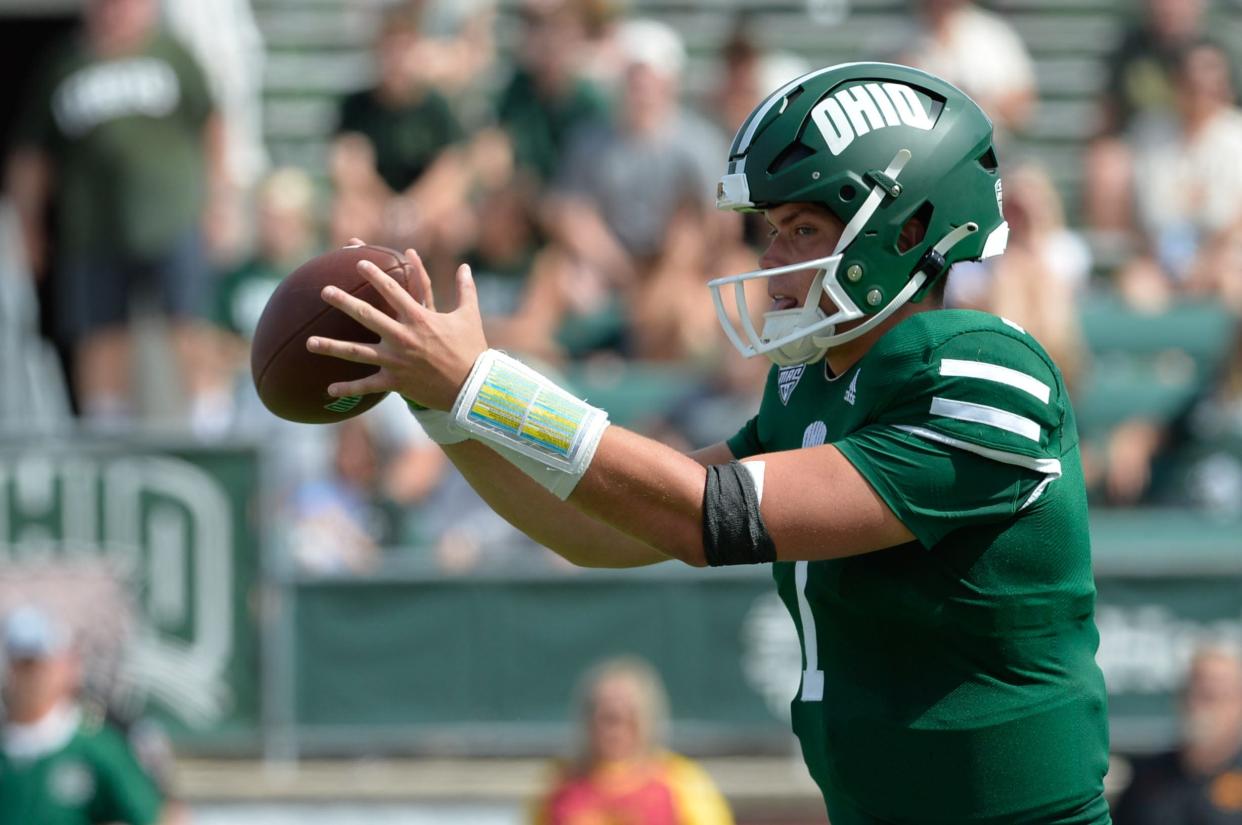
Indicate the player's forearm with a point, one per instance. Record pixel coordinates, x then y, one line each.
557 525
647 490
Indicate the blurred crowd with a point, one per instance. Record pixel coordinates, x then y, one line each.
559 147
568 151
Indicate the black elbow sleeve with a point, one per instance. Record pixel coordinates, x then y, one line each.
733 528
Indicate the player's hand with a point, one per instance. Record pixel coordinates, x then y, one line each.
419 283
422 354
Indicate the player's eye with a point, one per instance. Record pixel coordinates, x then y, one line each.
805 230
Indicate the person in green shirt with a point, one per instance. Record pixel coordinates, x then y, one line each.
398 167
547 98
912 475
56 766
121 135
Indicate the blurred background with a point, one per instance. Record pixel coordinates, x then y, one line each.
324 624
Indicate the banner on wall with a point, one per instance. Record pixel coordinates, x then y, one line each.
150 554
492 663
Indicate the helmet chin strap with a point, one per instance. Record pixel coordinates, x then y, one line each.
939 251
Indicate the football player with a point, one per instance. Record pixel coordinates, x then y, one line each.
912 474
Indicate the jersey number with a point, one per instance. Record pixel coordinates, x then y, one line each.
812 676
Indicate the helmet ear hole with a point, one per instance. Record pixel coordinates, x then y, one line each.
988 160
914 231
847 193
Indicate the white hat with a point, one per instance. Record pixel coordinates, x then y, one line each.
652 43
29 633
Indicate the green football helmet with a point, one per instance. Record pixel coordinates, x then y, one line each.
878 145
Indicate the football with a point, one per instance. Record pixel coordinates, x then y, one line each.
292 382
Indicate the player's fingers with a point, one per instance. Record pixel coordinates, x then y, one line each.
467 294
420 283
389 289
362 312
355 242
379 382
347 350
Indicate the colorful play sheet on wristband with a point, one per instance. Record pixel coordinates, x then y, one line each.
536 414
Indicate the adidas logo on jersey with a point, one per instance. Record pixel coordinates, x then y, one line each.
787 379
851 392
853 112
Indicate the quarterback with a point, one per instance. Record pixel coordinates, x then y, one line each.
912 474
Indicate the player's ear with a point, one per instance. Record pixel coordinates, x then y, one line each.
912 233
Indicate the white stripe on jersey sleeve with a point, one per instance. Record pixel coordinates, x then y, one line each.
1000 375
1048 466
1038 491
988 416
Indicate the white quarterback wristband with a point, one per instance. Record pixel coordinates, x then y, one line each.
437 424
506 404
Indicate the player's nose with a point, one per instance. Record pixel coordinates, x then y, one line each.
772 257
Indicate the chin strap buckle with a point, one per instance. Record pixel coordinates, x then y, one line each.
932 264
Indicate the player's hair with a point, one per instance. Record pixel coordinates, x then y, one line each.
649 687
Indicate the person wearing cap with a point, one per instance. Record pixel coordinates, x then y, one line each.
57 767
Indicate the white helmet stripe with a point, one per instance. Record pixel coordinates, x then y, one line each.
742 144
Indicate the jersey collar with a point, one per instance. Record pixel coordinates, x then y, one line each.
48 735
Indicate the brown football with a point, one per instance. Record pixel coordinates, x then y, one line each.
293 382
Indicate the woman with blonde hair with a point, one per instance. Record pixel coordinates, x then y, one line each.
622 771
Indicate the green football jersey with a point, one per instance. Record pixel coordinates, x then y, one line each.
93 777
951 679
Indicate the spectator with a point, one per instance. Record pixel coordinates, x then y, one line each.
286 235
610 225
1186 185
56 765
381 466
398 171
547 98
1186 196
1141 77
505 247
460 46
121 133
1044 268
224 38
622 772
747 73
1199 783
604 59
979 53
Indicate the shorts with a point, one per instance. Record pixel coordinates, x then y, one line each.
97 291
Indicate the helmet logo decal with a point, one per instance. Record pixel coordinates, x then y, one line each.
853 112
